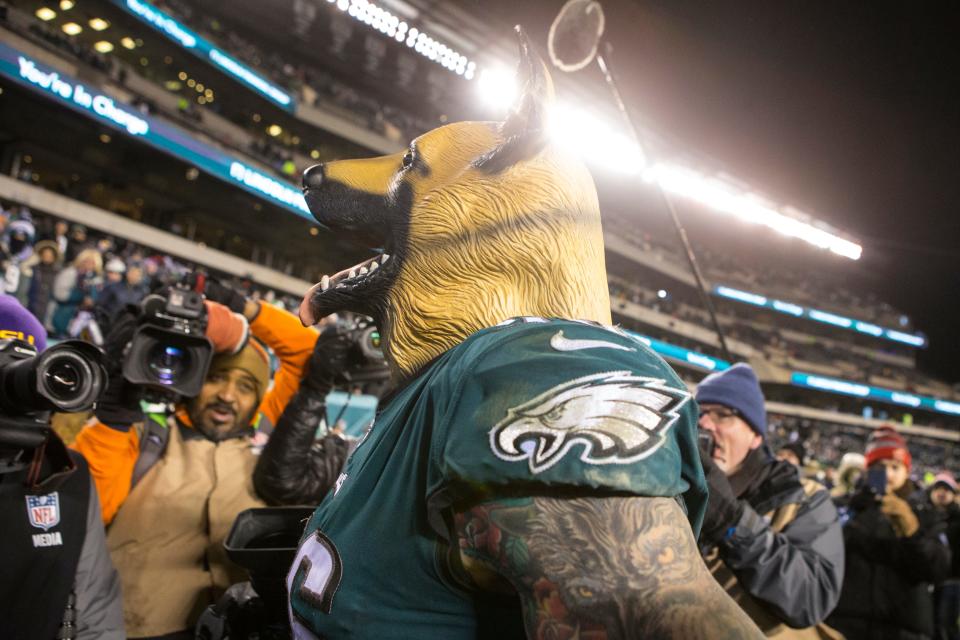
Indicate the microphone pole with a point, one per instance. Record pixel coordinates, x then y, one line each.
664 197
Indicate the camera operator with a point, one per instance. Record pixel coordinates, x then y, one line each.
895 550
57 579
171 494
771 539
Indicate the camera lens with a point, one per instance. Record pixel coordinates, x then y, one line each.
368 340
167 363
68 377
62 379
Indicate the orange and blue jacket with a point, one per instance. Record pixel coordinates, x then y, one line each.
112 454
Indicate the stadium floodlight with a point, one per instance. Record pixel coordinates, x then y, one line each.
66 5
721 196
46 14
391 26
603 145
103 46
98 24
71 28
497 87
128 43
591 137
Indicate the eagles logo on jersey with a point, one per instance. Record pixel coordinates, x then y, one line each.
616 417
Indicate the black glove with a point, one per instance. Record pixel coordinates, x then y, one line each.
119 405
333 355
294 467
227 296
723 509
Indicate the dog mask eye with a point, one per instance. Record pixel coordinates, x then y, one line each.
407 161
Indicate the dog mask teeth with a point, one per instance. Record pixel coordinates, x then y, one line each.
325 283
373 266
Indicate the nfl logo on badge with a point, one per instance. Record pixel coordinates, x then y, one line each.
44 511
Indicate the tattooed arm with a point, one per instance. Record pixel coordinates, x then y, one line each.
612 567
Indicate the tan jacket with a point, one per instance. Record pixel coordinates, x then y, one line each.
167 540
771 626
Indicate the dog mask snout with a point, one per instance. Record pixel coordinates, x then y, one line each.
313 177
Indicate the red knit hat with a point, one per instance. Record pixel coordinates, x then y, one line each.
886 444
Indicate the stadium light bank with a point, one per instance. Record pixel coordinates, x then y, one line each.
601 144
605 146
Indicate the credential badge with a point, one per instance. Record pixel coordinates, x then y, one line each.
615 417
44 511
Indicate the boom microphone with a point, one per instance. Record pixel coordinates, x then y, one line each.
575 34
572 42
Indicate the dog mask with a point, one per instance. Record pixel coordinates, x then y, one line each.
478 221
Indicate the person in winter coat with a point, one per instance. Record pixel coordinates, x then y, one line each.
770 538
18 249
172 484
57 579
42 275
76 242
116 295
895 550
943 497
76 288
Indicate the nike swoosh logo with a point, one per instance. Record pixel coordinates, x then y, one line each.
562 343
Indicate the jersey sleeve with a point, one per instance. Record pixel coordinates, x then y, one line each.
566 405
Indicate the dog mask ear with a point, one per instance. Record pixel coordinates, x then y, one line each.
525 129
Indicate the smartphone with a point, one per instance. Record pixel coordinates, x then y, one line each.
706 442
876 480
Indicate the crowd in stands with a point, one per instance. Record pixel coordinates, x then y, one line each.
313 84
812 288
792 349
271 152
826 443
75 281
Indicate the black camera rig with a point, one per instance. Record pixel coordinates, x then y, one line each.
169 352
67 377
371 365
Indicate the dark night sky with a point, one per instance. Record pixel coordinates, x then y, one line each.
849 110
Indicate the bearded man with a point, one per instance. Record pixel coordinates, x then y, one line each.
171 484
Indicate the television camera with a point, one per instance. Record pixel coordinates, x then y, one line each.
370 365
67 377
169 353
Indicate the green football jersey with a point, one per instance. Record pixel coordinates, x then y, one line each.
539 404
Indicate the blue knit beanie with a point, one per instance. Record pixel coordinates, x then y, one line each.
18 323
739 389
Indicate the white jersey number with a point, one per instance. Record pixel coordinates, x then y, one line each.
318 562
